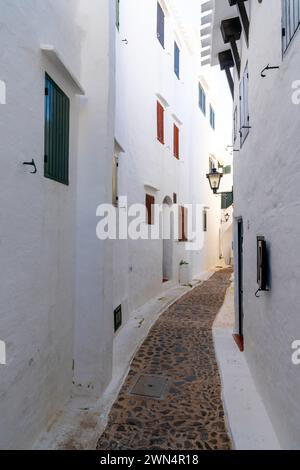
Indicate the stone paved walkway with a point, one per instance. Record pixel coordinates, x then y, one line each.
180 348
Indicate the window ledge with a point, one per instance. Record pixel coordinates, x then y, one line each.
53 55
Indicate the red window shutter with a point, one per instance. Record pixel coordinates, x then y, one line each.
183 217
150 201
160 123
176 142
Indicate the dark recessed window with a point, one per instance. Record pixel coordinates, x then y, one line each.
244 107
205 220
212 117
160 25
150 202
183 224
176 60
202 100
57 124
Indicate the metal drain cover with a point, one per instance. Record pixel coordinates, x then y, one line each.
151 386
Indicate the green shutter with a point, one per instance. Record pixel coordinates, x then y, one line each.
227 200
57 123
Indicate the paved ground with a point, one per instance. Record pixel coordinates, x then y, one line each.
179 348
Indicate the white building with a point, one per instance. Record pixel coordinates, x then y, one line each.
262 44
161 88
56 304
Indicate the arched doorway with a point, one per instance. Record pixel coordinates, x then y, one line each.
168 231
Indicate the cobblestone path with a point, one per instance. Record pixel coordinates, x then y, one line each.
189 413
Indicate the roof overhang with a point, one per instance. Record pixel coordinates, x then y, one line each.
212 42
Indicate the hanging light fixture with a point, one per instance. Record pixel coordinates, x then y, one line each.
214 178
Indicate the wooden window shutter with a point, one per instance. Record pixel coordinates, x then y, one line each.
177 60
176 142
150 201
160 123
57 124
183 218
118 14
160 25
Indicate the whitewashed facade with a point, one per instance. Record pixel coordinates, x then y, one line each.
55 307
267 195
145 76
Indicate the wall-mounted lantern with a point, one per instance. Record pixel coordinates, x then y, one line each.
214 178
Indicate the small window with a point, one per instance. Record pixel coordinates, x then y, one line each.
160 25
57 123
212 117
115 195
150 202
244 107
202 100
118 14
177 60
174 198
176 142
290 21
205 220
183 220
160 123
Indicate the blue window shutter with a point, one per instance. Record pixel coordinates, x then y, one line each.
160 25
212 117
202 100
177 60
290 21
57 123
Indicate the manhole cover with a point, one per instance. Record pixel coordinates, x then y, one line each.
151 386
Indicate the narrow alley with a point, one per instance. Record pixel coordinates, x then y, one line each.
149 227
172 396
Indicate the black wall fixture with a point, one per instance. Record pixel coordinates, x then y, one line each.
262 266
32 163
231 30
268 67
118 318
243 15
226 63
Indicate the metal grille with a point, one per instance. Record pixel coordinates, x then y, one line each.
57 117
290 21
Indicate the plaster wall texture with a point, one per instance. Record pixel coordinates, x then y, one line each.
267 197
39 216
145 74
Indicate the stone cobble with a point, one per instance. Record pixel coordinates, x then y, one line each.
180 348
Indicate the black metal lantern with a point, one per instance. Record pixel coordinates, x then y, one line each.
214 178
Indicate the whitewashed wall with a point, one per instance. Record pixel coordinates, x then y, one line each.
144 71
267 196
38 216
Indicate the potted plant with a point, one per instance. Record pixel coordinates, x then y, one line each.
184 273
